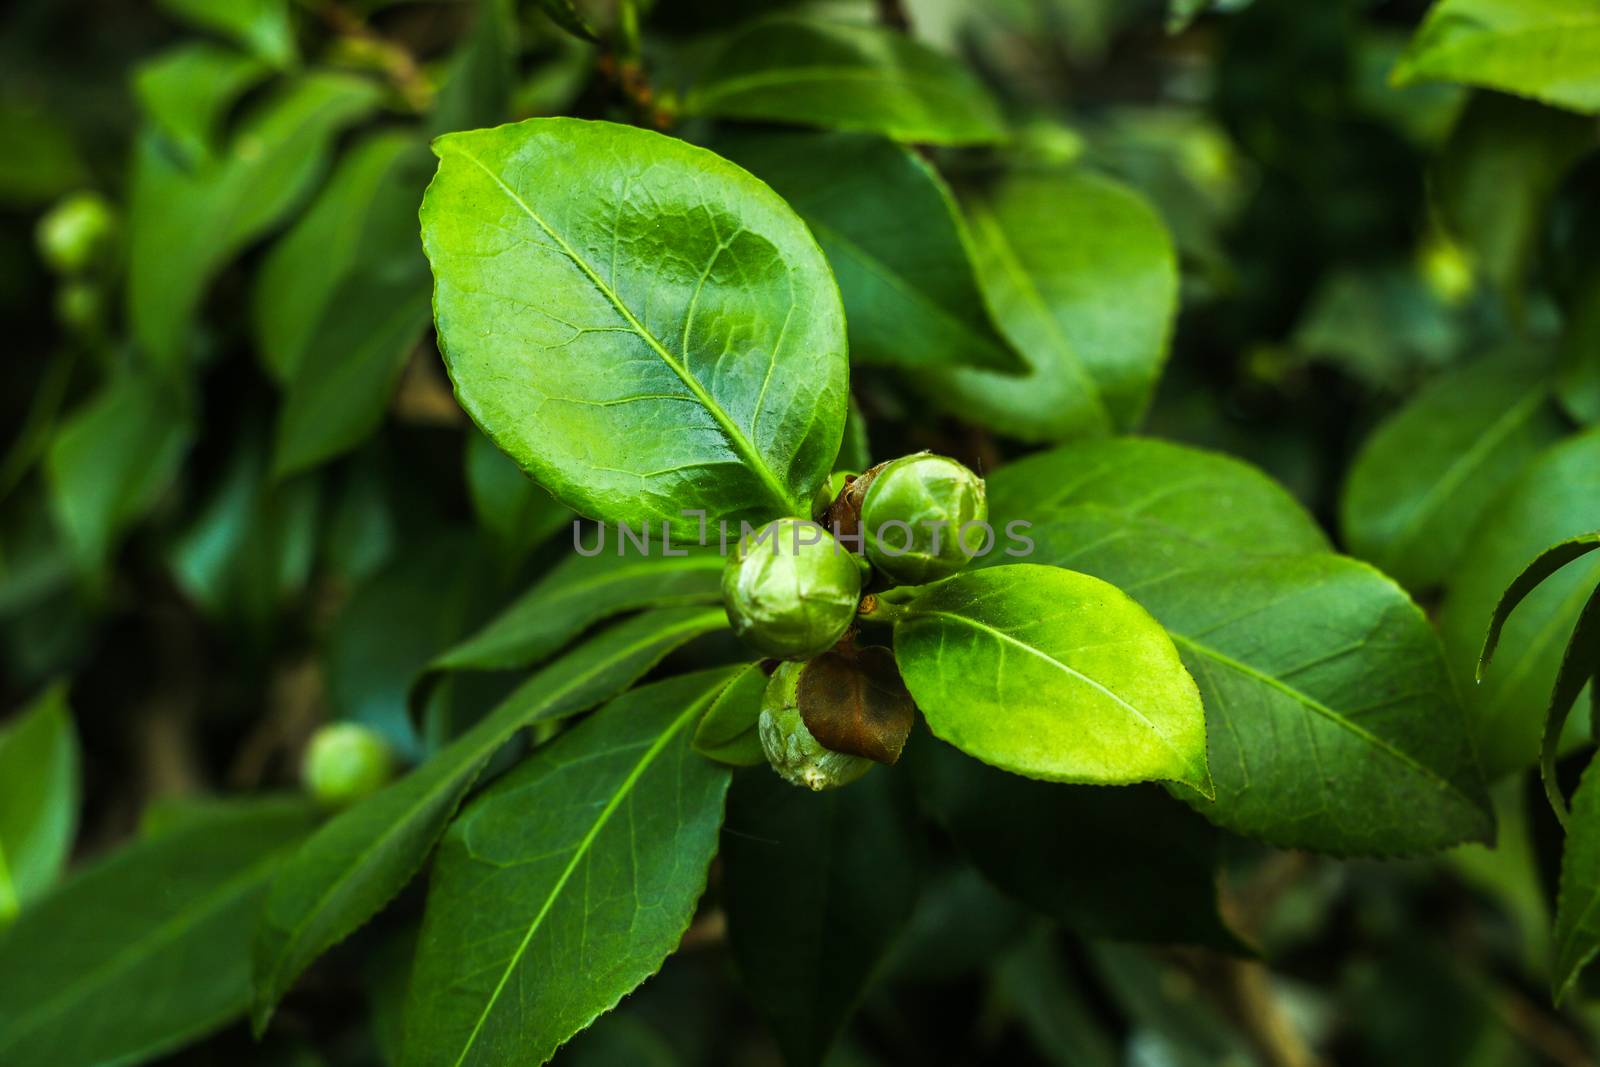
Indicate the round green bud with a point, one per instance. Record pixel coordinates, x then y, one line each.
797 756
790 589
77 233
345 762
923 518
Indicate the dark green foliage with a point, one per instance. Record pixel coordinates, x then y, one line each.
391 384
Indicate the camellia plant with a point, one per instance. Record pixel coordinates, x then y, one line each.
825 533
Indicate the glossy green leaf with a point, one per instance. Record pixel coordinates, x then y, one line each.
188 90
685 347
846 77
817 888
1333 724
263 26
1556 497
1494 181
1143 503
577 593
1425 477
568 882
1052 674
38 799
147 949
111 459
896 242
1082 278
512 508
361 219
1577 930
1132 864
727 732
1543 49
185 224
353 865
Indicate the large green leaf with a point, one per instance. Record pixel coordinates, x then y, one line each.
1332 722
1052 674
1540 48
895 240
576 594
365 215
147 949
38 799
185 224
846 77
1577 932
642 325
1556 497
1426 475
110 461
1082 278
1132 864
817 887
568 882
352 866
1142 503
1495 179
344 300
188 89
263 26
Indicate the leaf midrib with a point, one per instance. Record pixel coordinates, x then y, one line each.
480 755
740 442
580 853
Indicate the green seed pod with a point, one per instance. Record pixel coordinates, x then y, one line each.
81 306
915 516
76 235
790 589
797 756
345 762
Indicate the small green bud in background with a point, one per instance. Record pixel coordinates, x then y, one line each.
790 589
796 755
81 306
345 762
78 233
913 515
